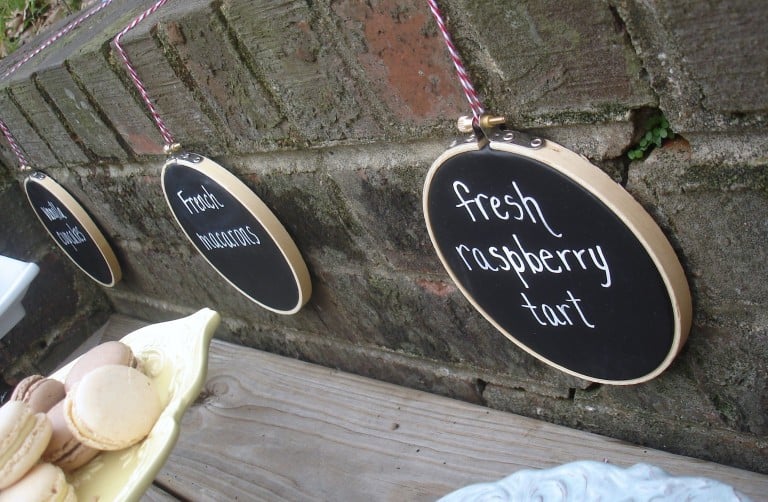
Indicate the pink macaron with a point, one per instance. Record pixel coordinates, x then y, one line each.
40 393
112 407
64 449
43 483
103 354
24 436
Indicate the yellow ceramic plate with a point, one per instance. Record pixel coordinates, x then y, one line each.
174 355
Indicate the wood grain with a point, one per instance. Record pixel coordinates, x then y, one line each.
157 494
272 428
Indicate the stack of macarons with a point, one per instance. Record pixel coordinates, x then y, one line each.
49 428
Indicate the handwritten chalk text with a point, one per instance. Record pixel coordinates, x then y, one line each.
515 258
507 207
72 236
560 314
200 202
227 239
53 212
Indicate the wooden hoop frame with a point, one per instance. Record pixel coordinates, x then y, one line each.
84 219
256 207
578 169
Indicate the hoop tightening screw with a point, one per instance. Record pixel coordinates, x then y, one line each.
465 123
172 148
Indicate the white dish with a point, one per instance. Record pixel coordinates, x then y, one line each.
15 278
587 480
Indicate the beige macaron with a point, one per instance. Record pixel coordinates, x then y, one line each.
112 407
43 483
23 438
64 449
103 354
40 393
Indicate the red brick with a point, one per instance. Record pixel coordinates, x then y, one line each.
177 105
47 124
34 148
232 94
404 58
125 113
300 64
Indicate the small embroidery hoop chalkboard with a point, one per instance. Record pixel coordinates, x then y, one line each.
578 171
104 255
251 203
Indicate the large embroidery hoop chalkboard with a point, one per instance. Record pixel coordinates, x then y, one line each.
557 257
70 226
236 233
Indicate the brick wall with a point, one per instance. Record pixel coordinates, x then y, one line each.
333 111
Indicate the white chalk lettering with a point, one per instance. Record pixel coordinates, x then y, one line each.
515 206
228 239
557 315
53 212
200 202
602 264
525 262
72 236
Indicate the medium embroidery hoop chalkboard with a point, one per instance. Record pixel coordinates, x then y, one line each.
498 151
282 283
273 276
97 259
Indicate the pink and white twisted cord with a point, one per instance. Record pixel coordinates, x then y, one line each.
48 42
164 131
14 146
466 83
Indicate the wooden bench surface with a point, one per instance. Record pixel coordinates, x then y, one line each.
272 428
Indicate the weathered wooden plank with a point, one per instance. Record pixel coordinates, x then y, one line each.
272 428
275 428
157 494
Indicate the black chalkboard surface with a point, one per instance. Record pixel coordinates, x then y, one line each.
559 258
72 229
236 233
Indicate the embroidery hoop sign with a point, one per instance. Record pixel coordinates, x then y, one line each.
558 257
70 226
552 252
236 233
224 220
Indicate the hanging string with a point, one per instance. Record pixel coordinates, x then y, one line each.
23 164
170 144
71 26
466 83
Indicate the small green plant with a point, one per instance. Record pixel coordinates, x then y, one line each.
656 130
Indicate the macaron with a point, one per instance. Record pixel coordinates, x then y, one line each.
112 407
40 393
101 355
43 483
64 449
23 438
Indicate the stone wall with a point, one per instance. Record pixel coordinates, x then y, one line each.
333 111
